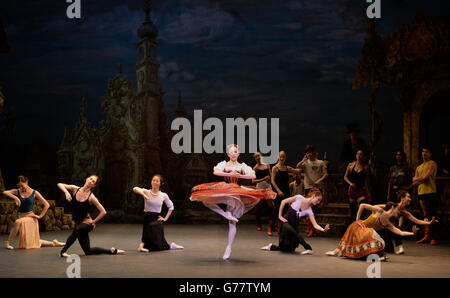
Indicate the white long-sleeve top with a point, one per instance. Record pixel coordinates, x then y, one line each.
154 204
223 167
296 206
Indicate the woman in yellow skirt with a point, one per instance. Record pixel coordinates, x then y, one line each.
27 225
361 238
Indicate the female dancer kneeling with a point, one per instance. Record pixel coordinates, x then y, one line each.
81 198
153 230
361 238
299 206
27 224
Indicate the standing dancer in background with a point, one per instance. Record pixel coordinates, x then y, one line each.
27 225
153 230
297 187
400 176
299 206
357 176
237 199
425 178
262 180
81 198
315 172
280 181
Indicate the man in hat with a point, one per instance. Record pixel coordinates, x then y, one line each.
352 144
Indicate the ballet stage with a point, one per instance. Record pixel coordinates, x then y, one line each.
201 258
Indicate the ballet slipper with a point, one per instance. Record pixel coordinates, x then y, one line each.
332 253
117 251
7 246
227 253
267 247
230 217
175 246
141 249
120 252
64 255
57 243
307 252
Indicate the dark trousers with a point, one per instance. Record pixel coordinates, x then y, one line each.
81 232
431 203
388 236
289 239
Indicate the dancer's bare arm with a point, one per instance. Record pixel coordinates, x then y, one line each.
67 189
418 221
397 231
283 203
369 207
272 179
12 195
420 179
94 201
346 174
44 202
316 225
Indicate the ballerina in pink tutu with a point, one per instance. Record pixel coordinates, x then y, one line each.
238 199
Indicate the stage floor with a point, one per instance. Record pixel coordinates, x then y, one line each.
201 258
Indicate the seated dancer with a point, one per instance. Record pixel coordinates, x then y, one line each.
153 230
27 225
81 198
299 206
405 200
361 238
238 199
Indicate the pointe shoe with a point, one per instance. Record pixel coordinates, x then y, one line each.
433 242
307 252
269 229
120 252
258 228
174 246
141 249
117 251
57 243
331 253
7 246
64 255
230 217
400 250
384 258
227 253
267 247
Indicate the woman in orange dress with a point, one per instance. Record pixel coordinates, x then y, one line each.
361 238
238 199
27 225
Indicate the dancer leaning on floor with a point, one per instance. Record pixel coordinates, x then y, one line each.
153 229
81 198
361 238
405 200
300 206
262 180
238 199
27 225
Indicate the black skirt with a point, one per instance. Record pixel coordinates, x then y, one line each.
153 233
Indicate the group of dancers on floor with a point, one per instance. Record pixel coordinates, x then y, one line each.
360 239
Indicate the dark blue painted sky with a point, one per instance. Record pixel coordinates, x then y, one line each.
294 60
